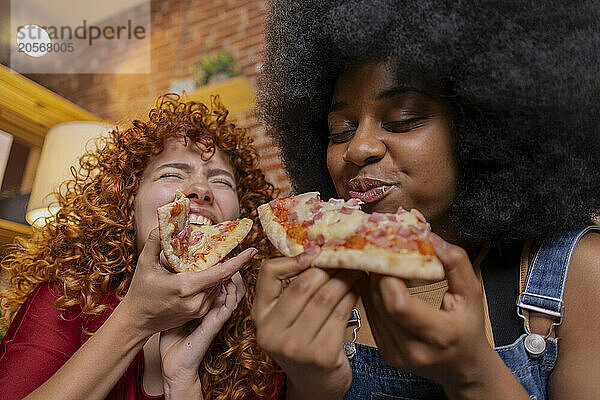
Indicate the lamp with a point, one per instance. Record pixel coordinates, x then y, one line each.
63 145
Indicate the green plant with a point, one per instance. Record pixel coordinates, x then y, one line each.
218 64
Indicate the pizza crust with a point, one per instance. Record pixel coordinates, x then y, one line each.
276 232
406 265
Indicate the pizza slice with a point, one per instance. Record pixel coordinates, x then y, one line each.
192 246
389 244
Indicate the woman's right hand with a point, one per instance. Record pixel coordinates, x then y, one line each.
182 349
158 300
302 326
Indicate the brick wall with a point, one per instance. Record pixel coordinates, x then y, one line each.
182 33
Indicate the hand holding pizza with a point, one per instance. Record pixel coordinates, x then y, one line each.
302 325
183 348
158 300
448 345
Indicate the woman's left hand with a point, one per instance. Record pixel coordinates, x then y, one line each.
447 345
183 348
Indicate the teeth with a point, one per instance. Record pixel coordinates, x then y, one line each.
199 220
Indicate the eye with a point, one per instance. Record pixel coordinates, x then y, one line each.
341 137
223 182
341 128
171 175
404 125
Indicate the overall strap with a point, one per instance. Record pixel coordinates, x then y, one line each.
548 273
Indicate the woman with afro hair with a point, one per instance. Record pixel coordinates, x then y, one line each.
99 315
485 117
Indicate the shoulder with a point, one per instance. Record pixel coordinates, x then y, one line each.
578 339
39 307
41 300
581 296
39 311
588 248
584 270
40 303
39 328
581 291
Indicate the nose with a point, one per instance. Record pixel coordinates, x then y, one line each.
200 191
364 147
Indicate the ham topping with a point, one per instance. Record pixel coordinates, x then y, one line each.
362 229
378 233
320 240
196 238
273 203
292 218
313 200
315 208
403 231
377 217
308 222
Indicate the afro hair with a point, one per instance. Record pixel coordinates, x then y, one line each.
524 84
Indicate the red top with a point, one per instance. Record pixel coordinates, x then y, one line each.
38 343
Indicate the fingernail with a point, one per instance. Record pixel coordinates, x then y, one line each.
253 252
438 241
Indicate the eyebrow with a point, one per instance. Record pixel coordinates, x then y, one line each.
219 171
337 106
182 166
386 94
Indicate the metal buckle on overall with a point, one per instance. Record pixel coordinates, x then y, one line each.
535 344
350 347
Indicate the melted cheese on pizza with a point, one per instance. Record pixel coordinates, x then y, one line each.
309 221
204 238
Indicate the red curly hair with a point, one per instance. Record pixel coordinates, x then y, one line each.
89 247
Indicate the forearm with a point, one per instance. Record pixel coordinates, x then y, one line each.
293 393
94 369
495 382
188 391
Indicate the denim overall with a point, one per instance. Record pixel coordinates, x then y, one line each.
372 378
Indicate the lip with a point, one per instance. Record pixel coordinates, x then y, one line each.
364 184
205 213
369 190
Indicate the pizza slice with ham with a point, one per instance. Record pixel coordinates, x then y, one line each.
197 245
389 244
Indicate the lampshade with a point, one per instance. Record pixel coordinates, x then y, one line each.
63 145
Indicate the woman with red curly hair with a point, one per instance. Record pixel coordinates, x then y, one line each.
99 315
